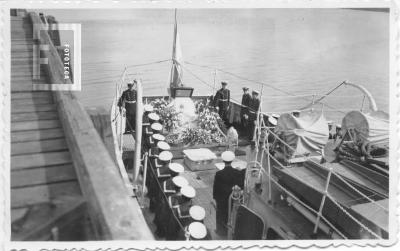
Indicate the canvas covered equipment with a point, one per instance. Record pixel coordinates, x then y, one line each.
373 128
306 134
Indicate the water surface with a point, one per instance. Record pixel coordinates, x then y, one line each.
300 51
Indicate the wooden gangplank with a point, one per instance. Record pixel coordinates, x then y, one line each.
45 195
64 184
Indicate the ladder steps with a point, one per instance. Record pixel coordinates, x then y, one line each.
48 145
42 176
34 125
35 135
40 159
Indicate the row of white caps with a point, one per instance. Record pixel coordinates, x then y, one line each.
196 229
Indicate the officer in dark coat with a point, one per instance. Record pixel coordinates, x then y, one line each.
128 99
253 113
221 101
224 180
244 111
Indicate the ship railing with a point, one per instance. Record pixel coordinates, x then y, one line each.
266 149
117 128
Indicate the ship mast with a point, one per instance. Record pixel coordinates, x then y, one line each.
177 60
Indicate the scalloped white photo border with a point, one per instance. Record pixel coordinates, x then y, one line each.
5 229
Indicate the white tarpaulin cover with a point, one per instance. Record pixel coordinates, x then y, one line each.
307 133
371 127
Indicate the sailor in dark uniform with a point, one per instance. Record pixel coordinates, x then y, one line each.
164 158
152 146
253 113
171 186
221 101
168 188
180 204
159 148
244 110
189 215
128 99
169 171
165 220
153 118
224 180
147 109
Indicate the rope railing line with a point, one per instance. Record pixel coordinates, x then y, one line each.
334 172
150 63
240 77
301 202
262 84
328 93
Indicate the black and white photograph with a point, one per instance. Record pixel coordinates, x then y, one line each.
198 124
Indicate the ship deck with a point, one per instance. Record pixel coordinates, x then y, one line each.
277 213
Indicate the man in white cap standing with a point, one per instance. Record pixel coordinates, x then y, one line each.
224 180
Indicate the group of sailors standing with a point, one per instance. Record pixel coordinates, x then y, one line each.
170 194
249 107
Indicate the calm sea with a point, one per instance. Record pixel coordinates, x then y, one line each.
300 51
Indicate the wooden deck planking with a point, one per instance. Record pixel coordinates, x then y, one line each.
35 125
42 176
44 188
40 159
49 145
27 196
66 211
32 95
34 135
32 116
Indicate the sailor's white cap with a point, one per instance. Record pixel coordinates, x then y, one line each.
228 156
156 126
197 213
197 230
272 120
163 145
153 116
338 126
165 156
148 108
176 167
180 181
255 92
188 191
275 115
158 137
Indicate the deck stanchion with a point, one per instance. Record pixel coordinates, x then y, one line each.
138 130
269 169
144 177
322 201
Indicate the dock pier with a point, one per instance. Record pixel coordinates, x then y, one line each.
64 183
